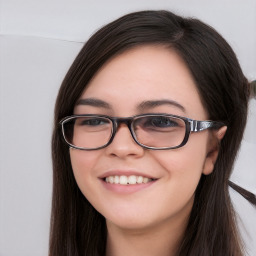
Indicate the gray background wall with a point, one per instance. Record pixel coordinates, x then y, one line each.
38 41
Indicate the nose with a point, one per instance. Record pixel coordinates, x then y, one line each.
123 144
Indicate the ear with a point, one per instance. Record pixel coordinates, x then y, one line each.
213 150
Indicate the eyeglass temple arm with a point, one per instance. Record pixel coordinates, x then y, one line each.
198 126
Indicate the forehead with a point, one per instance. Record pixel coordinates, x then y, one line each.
145 73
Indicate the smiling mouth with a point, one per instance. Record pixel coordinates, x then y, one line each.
127 180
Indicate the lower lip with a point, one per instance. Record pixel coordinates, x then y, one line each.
126 189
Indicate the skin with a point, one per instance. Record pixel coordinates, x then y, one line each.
150 221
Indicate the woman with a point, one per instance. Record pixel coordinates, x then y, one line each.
135 172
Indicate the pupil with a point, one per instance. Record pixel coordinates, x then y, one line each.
161 122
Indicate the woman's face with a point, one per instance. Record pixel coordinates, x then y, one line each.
139 75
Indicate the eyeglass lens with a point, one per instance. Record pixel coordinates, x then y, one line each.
152 131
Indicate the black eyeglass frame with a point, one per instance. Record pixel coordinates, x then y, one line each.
191 125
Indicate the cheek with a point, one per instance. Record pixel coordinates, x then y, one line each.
183 162
183 167
83 163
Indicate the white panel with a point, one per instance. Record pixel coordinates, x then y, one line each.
31 72
76 20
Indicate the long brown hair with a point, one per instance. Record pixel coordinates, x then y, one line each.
76 227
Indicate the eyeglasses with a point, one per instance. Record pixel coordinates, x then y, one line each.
151 131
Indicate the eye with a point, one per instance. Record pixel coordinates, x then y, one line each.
161 122
93 121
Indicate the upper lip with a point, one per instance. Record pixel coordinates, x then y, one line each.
125 173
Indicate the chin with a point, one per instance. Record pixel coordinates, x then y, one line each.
134 224
133 220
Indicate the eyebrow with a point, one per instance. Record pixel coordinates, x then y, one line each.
94 103
155 103
142 106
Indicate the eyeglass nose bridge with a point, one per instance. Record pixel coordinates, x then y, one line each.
117 121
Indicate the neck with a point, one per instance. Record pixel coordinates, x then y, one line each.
163 239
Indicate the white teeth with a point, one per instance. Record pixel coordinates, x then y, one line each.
139 179
145 180
123 180
126 180
116 180
110 179
132 179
